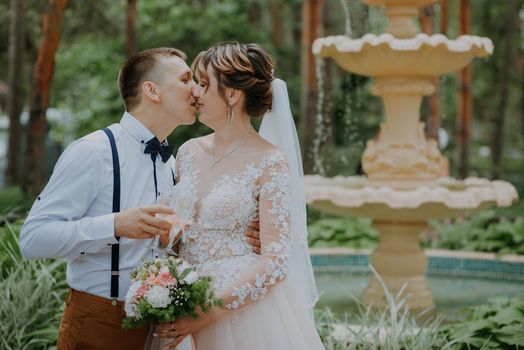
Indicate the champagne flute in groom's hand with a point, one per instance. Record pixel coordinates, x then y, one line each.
176 232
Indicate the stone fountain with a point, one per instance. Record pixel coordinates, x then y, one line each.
404 187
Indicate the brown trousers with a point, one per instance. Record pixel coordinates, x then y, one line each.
95 323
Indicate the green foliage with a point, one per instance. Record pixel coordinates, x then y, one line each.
337 232
496 231
91 53
498 324
32 296
85 83
484 232
12 203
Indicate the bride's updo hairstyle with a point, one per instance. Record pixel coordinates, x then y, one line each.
245 67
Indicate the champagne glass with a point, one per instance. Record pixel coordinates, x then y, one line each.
176 232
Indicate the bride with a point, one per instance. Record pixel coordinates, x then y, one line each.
229 178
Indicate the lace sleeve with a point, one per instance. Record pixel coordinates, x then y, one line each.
275 226
181 161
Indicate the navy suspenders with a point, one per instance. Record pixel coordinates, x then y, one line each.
115 248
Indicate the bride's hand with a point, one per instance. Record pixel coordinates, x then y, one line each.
183 327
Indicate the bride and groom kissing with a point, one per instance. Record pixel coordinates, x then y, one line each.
242 191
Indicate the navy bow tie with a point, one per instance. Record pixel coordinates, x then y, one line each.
154 147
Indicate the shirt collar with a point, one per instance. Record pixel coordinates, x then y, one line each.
135 128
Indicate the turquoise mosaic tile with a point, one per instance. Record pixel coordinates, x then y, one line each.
443 266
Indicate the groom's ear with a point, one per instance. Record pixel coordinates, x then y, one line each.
150 90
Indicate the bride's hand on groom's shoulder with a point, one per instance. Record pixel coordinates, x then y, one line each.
141 223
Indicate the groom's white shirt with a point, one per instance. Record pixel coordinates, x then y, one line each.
72 217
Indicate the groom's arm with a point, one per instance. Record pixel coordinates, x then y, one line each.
57 227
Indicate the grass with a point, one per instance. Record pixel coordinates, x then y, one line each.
31 302
391 328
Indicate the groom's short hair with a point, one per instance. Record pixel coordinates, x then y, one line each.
135 69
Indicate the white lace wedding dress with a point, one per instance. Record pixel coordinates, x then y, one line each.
221 200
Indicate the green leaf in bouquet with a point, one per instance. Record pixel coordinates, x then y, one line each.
185 273
172 271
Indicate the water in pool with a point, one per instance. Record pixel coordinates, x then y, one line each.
451 294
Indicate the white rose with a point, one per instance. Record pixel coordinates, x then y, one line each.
158 297
131 310
191 278
129 307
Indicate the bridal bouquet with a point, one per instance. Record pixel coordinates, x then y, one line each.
164 290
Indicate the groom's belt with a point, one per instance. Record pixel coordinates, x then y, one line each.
95 301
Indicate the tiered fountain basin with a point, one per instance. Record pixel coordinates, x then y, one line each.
446 198
384 55
401 215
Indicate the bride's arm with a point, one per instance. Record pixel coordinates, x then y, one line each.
275 230
270 269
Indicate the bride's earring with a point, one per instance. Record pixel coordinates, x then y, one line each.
230 114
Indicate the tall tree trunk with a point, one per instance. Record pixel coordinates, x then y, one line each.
311 19
433 118
275 8
511 21
465 100
131 28
43 73
15 96
444 16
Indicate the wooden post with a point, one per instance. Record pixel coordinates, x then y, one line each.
131 28
311 20
433 118
15 94
465 112
43 73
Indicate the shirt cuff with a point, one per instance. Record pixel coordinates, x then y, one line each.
104 228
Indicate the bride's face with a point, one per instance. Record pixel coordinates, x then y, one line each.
212 107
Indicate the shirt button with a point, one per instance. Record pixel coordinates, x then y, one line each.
82 253
38 198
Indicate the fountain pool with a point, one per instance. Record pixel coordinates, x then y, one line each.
457 281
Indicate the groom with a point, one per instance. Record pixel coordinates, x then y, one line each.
102 234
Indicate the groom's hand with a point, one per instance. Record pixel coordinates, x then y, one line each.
253 235
142 223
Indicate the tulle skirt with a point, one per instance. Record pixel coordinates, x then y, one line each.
275 322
